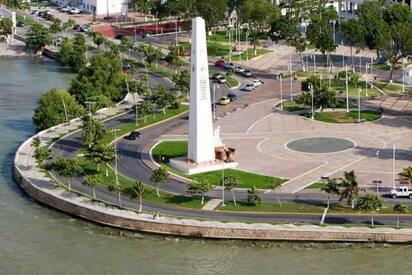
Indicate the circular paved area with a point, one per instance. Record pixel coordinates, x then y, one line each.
320 145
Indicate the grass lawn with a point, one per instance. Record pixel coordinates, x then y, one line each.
150 193
222 36
213 48
250 54
25 20
292 106
344 117
131 126
295 207
392 89
173 149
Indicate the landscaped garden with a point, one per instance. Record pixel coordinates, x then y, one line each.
166 150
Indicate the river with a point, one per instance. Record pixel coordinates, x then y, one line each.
37 240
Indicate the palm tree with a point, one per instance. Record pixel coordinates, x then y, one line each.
92 181
253 196
331 187
115 187
231 182
400 209
159 176
406 174
138 191
68 168
350 187
369 203
146 108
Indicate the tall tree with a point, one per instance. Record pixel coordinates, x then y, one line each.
349 187
181 80
369 203
231 182
138 191
55 107
68 168
253 196
6 26
159 176
400 209
92 130
37 38
151 54
92 181
331 187
144 6
212 11
258 15
115 187
200 187
354 34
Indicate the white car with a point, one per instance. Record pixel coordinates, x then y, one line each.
401 191
66 9
248 87
239 69
257 82
229 66
74 11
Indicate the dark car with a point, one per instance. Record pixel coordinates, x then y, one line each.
20 24
120 36
232 97
134 135
76 27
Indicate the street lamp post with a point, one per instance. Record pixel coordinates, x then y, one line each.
223 183
403 75
89 103
366 79
347 89
394 165
359 116
291 78
281 91
214 101
247 46
311 92
377 180
115 154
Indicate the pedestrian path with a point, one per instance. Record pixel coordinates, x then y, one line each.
212 204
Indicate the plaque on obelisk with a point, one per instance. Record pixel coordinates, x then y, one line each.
201 143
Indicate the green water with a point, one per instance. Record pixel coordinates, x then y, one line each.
37 240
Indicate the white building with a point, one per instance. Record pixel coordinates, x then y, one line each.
100 7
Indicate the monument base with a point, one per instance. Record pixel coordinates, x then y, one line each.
188 167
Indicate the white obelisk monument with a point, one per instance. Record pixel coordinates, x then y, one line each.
202 138
201 142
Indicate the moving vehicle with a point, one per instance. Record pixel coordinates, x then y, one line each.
218 78
239 69
85 28
120 36
246 73
401 191
248 87
224 100
134 135
75 11
257 82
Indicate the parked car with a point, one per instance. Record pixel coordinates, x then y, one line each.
75 11
257 82
232 97
229 66
76 27
85 28
41 13
34 12
134 135
246 73
224 100
20 24
401 191
49 17
120 36
220 63
57 41
248 87
66 9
